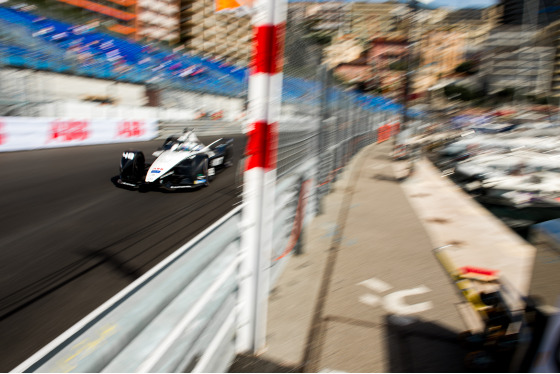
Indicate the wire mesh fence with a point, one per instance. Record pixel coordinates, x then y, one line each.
322 127
75 71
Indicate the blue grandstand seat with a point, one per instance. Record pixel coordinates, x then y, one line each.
45 40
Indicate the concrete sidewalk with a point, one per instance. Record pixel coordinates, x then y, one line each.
368 295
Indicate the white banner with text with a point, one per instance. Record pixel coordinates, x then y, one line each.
22 133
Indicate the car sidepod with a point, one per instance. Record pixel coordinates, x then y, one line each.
220 156
188 173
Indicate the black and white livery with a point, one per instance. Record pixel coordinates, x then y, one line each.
182 162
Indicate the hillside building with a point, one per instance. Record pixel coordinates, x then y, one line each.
224 35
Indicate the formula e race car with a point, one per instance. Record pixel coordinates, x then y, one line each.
182 162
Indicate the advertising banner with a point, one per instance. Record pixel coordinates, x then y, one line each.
23 133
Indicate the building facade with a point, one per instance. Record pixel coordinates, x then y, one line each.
551 37
476 24
139 19
158 20
343 48
527 70
517 59
120 16
191 23
329 17
223 35
388 58
369 20
537 12
379 68
383 52
440 52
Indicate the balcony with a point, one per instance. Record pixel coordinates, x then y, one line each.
197 30
197 18
186 23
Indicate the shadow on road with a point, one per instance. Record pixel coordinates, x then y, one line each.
253 364
387 178
384 157
416 346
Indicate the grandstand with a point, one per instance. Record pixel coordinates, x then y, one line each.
31 41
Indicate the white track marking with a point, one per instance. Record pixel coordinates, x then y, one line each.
370 299
376 285
395 302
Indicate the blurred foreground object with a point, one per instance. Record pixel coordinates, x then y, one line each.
514 326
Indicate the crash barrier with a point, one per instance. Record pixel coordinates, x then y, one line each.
201 127
32 93
295 194
177 317
25 133
180 316
385 132
28 133
184 314
342 135
290 128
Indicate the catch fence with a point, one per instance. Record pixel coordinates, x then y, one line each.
183 315
187 314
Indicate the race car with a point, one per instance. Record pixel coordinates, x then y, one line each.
182 162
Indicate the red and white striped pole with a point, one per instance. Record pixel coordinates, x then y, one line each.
265 93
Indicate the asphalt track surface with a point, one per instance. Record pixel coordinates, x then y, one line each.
70 239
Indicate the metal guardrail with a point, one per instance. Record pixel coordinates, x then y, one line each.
201 127
180 304
182 316
178 317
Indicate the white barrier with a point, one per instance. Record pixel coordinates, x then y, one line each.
185 315
24 133
178 317
165 321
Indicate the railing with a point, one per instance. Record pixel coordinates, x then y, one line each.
201 127
183 315
167 320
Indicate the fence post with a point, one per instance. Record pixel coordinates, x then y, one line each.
321 144
355 127
264 94
347 129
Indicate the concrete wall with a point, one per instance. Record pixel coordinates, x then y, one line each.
29 85
231 106
44 94
80 109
